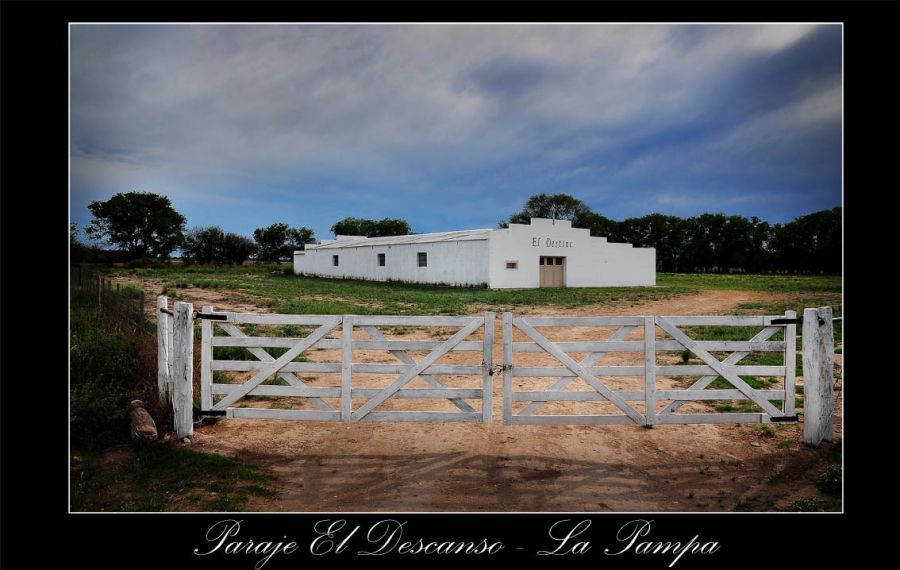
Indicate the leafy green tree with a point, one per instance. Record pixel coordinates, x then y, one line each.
141 224
809 244
555 207
392 227
371 228
203 245
351 226
279 241
236 248
212 245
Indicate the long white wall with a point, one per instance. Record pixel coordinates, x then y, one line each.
590 261
452 262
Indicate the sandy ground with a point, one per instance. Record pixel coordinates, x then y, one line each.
381 466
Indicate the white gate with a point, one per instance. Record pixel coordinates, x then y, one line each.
630 388
317 369
629 366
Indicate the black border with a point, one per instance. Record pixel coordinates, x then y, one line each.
36 530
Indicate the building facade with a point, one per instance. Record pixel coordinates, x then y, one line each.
544 253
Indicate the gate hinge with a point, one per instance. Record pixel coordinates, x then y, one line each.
210 412
781 419
798 321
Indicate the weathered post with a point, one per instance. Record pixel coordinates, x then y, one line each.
818 376
790 365
346 368
183 370
162 349
650 371
206 329
507 367
487 378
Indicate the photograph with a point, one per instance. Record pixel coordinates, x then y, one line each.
456 268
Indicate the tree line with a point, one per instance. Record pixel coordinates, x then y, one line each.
145 225
709 242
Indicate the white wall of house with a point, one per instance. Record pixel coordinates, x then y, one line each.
450 262
590 261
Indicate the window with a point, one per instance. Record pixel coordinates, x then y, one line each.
334 260
559 261
512 264
423 259
380 260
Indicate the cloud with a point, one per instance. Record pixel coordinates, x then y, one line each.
282 110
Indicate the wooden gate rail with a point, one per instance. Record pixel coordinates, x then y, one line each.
285 368
590 372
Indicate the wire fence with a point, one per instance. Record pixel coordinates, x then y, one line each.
122 305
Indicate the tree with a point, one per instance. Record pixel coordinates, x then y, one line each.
353 227
212 245
278 241
203 245
392 227
554 207
141 224
371 228
236 248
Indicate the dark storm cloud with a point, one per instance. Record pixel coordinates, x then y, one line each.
244 124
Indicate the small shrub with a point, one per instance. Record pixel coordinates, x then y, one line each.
764 430
685 356
103 365
830 480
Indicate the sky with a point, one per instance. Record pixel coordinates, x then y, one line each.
454 126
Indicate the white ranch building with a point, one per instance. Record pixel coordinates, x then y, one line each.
544 253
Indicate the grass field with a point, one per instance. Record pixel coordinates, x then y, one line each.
273 287
746 282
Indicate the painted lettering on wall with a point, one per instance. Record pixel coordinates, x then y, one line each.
547 242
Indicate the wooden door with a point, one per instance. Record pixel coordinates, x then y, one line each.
553 271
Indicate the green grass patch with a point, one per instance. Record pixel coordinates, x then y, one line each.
103 365
291 294
274 287
163 475
764 430
750 282
807 505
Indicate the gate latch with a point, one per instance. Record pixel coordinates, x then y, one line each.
211 316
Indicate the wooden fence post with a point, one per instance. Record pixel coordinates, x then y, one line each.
183 398
162 350
507 368
206 329
487 395
650 371
346 367
790 365
818 376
